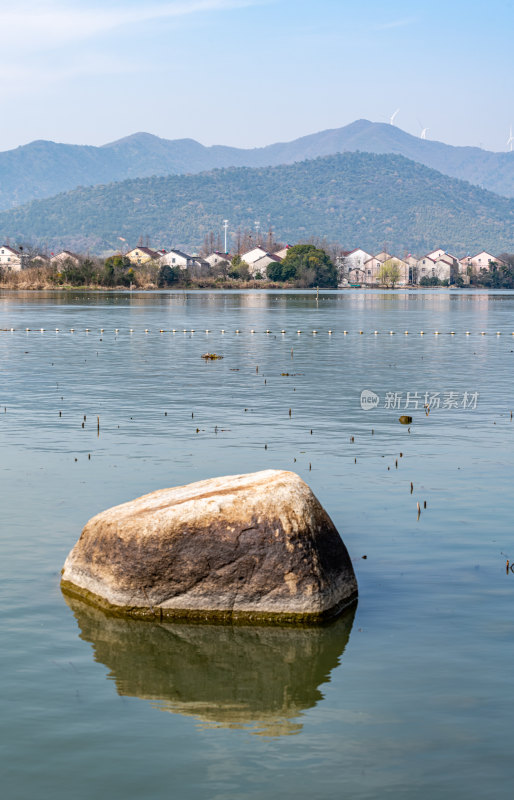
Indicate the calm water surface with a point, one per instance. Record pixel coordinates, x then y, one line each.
408 696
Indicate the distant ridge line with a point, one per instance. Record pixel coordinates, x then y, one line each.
43 168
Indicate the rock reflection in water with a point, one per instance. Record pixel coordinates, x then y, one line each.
232 676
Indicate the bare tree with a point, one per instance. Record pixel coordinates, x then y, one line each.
248 241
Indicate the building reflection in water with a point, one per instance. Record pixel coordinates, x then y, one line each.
235 676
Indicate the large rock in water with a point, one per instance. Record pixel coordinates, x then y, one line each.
257 546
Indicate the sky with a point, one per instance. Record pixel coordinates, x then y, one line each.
251 72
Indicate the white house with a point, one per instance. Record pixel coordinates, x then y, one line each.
370 270
443 256
176 258
355 259
445 269
282 253
350 266
63 257
261 265
369 273
424 268
215 258
39 260
253 255
448 259
12 260
464 263
403 268
405 271
356 275
435 254
481 261
383 256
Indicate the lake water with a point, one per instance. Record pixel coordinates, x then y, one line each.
408 695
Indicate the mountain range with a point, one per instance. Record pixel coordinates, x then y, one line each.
357 199
43 168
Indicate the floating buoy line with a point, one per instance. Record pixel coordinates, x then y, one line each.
238 331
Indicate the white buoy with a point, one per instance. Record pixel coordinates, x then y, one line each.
391 333
174 330
42 330
314 331
330 332
361 332
300 332
376 333
268 331
422 333
498 333
406 333
192 330
282 331
345 333
252 331
482 333
207 331
101 330
467 333
436 333
72 330
223 330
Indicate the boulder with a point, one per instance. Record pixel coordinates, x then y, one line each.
243 547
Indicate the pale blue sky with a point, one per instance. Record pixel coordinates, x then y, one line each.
251 72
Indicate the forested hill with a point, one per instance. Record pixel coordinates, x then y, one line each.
42 169
356 199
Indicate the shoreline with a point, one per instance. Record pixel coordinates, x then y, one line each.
248 286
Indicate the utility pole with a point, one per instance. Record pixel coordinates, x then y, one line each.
225 226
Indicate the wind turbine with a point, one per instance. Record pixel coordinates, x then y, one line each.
510 140
424 133
392 117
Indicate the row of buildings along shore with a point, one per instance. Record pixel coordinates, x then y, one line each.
355 267
360 267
